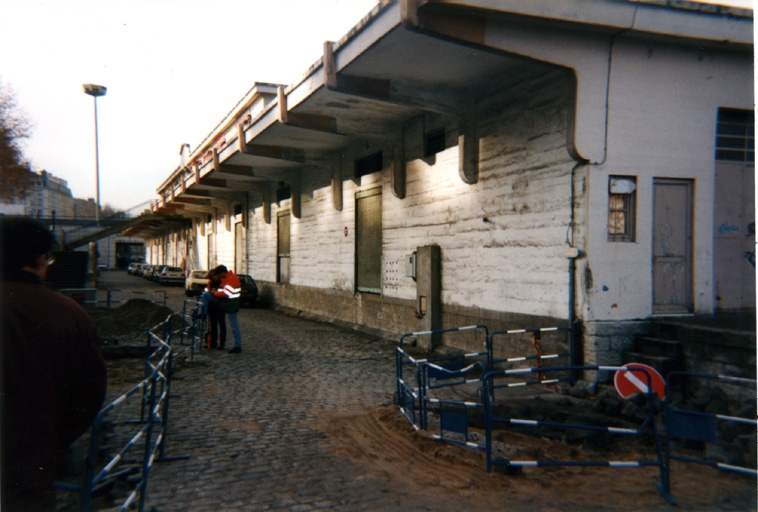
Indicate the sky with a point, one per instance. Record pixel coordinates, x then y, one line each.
173 69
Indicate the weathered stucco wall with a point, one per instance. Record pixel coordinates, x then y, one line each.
662 123
501 239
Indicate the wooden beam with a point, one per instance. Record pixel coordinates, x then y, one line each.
296 195
468 147
268 151
264 189
213 182
409 14
337 182
398 170
316 122
373 88
236 170
193 201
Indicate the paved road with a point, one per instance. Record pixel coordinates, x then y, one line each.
249 422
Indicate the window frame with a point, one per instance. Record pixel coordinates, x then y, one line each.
624 206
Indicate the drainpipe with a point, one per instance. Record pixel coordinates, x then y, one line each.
572 253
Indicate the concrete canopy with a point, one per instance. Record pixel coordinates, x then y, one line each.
409 58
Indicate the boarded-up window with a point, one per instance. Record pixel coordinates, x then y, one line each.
622 199
368 243
283 248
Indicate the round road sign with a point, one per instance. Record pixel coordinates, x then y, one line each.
629 382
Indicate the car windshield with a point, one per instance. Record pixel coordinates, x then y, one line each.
173 269
200 274
246 279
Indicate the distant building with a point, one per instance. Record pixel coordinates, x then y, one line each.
50 194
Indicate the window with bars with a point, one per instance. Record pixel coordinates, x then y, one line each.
622 199
735 135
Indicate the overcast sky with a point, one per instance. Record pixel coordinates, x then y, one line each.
173 69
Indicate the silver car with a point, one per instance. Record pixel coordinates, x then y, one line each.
170 275
196 283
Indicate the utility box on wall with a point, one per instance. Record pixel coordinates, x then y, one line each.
410 265
428 270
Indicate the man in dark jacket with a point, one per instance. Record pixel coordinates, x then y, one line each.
53 372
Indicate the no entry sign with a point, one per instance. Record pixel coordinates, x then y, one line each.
629 382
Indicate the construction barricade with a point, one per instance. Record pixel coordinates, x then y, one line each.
129 434
189 332
693 415
450 411
533 348
413 381
493 421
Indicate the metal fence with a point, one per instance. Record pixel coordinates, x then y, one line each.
440 393
130 433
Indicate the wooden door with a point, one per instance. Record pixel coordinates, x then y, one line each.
672 246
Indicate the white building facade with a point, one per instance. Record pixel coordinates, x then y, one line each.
589 166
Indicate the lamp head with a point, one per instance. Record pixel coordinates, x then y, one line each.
94 90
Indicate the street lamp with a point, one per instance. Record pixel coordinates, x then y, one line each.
95 91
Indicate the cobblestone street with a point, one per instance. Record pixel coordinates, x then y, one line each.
303 420
250 422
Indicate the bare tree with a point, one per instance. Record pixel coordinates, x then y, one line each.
16 180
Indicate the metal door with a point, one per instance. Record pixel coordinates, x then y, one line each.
368 241
734 236
283 248
672 246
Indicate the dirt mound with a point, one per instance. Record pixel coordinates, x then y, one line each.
386 444
133 319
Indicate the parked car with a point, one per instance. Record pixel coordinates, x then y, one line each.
249 293
149 272
195 283
132 268
170 275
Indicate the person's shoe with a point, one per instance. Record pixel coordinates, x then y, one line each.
235 350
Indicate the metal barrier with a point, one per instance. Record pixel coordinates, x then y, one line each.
190 334
538 358
649 423
700 426
452 414
411 386
113 298
149 401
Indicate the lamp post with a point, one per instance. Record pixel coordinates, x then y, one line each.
95 91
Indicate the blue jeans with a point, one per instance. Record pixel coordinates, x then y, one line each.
205 299
234 323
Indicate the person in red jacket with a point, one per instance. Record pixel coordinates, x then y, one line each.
53 372
228 297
